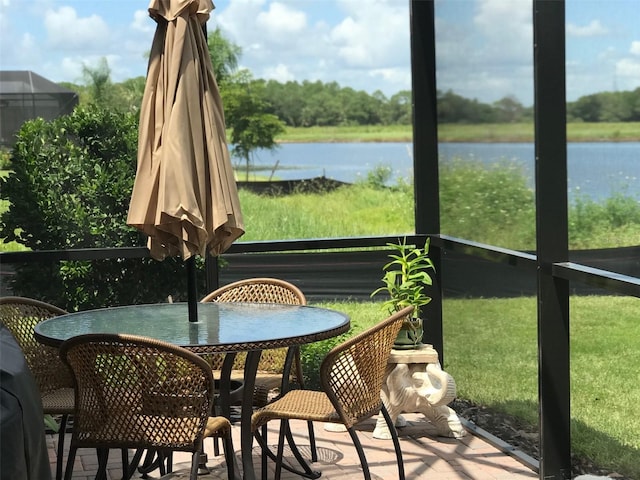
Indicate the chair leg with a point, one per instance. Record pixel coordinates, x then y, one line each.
195 463
148 462
300 377
131 468
70 459
396 441
284 425
312 442
264 453
307 472
229 456
125 462
61 432
103 458
161 463
363 459
169 457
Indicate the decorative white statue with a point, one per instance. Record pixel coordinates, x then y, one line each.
414 388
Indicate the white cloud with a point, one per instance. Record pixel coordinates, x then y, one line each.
348 37
628 73
281 40
594 28
23 53
280 73
68 32
142 22
490 56
484 47
397 78
238 20
29 46
506 26
281 22
375 36
71 68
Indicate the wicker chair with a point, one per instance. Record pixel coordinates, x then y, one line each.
20 315
272 361
135 392
351 376
263 290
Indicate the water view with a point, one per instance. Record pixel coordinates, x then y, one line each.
596 170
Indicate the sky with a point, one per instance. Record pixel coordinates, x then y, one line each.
484 47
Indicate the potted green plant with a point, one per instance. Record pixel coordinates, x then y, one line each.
405 278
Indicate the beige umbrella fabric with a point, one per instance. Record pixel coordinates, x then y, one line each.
185 196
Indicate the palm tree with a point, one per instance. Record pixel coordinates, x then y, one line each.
224 55
98 82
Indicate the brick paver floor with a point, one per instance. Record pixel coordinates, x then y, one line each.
425 456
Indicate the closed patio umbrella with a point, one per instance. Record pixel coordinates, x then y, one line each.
184 196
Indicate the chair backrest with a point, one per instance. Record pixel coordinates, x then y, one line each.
20 315
352 373
259 290
137 392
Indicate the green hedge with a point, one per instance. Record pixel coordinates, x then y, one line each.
70 187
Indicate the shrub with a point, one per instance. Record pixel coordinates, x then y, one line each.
379 176
610 221
5 159
487 203
70 188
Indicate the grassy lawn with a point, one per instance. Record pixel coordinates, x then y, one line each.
491 352
449 132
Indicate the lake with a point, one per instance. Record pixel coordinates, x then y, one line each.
595 169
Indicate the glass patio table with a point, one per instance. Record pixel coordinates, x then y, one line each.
221 327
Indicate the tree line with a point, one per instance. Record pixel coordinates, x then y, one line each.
314 103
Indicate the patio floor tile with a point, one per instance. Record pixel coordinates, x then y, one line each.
425 456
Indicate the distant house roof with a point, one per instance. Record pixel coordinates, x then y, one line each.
25 81
25 95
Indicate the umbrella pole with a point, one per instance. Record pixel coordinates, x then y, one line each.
191 289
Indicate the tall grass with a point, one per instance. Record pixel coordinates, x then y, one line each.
488 204
605 222
357 210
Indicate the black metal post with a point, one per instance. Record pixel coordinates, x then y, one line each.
192 290
212 273
192 282
425 152
552 238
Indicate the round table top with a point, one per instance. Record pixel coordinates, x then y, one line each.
224 327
